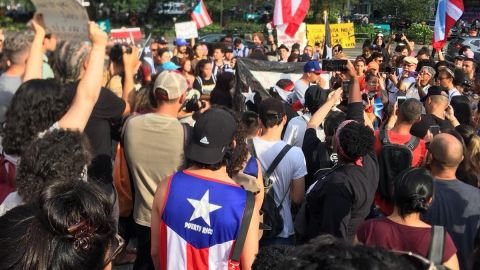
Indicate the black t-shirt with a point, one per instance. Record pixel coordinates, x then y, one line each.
107 111
343 199
317 155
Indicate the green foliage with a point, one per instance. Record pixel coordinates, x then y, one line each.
420 33
415 10
7 23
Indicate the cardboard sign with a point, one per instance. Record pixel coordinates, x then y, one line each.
341 33
126 35
300 37
186 30
67 19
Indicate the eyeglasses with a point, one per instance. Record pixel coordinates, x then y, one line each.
115 248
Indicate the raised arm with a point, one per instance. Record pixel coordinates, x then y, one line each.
131 63
321 113
89 87
33 69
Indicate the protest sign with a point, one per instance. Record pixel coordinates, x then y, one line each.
300 37
126 35
186 30
341 33
67 19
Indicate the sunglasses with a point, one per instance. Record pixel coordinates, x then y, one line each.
115 248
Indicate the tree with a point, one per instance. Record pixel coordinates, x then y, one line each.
415 10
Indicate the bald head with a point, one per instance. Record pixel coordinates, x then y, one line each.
446 150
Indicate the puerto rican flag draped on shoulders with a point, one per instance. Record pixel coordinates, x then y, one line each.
200 15
291 13
448 12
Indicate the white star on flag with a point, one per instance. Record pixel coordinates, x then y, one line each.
203 208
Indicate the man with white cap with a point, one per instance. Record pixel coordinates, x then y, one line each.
422 84
154 145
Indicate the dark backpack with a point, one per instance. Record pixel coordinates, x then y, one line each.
393 159
272 220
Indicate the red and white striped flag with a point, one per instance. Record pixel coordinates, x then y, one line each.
448 12
200 15
291 13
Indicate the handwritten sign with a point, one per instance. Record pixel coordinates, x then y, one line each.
67 19
300 37
186 30
341 33
126 35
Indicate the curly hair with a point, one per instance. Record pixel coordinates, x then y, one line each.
68 226
59 155
356 140
34 108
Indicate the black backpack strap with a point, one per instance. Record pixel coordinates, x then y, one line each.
435 252
384 137
275 163
242 235
251 147
413 143
187 134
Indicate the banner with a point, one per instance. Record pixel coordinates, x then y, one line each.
126 35
67 19
341 33
300 37
186 30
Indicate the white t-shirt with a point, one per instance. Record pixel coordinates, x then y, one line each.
295 131
11 201
299 90
453 93
291 167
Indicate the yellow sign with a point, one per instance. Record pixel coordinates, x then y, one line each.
341 33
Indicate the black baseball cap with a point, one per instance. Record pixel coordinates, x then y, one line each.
271 107
315 97
283 47
212 134
161 40
436 91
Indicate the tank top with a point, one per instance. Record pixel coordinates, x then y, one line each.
200 221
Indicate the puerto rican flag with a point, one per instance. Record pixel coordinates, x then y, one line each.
291 13
448 12
200 222
200 15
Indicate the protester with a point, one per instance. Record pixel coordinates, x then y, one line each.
311 75
469 170
339 203
69 227
187 70
288 183
445 78
202 206
142 148
205 80
403 230
456 204
283 54
181 50
240 50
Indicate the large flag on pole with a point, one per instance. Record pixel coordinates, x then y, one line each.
200 15
448 12
327 41
291 13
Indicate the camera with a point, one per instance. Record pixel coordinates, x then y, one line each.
191 103
413 74
116 52
334 65
398 37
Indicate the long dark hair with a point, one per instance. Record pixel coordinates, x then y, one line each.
412 191
35 107
69 228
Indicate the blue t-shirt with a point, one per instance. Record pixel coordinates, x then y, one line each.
456 206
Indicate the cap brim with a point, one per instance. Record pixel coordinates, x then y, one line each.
204 155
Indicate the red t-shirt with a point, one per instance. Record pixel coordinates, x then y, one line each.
385 233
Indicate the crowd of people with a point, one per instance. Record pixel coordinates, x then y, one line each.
112 155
